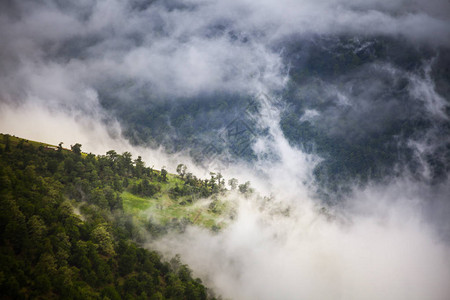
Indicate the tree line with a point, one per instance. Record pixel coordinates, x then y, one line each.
64 233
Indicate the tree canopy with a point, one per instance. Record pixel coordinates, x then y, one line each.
63 230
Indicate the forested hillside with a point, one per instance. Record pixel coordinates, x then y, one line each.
64 232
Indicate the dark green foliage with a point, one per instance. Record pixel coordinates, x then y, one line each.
144 188
76 149
48 251
163 177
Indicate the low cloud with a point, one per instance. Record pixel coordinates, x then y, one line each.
178 49
383 241
382 246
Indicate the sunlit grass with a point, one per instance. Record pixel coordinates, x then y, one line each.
164 209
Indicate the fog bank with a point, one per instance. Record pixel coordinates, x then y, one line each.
88 71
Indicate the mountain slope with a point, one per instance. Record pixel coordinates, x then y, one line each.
64 232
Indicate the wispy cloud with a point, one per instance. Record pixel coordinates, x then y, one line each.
386 241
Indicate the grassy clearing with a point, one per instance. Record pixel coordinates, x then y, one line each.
164 209
135 203
14 141
161 207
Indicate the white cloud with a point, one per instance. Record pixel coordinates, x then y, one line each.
385 251
57 57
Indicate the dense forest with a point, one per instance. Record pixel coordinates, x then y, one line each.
64 233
